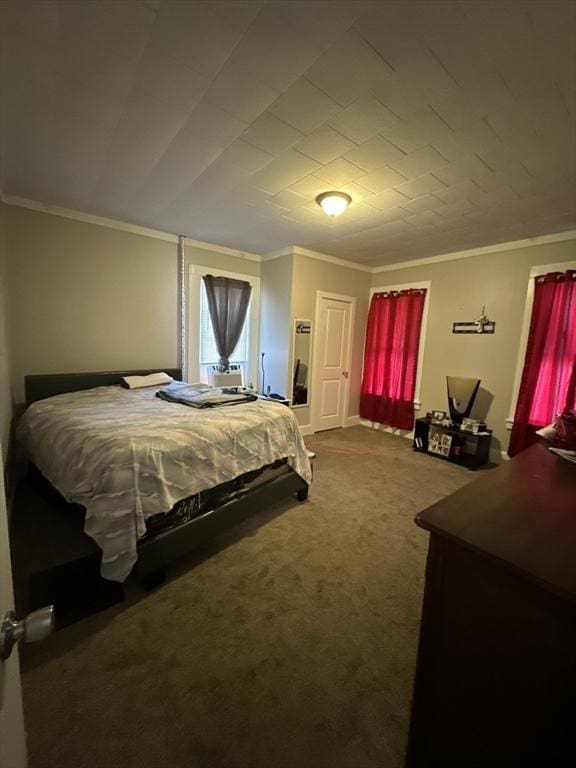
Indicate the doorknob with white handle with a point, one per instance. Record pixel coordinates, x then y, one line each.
38 625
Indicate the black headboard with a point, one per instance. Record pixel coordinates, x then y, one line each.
41 386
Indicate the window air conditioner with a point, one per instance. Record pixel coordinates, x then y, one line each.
230 378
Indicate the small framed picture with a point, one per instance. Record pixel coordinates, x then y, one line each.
439 415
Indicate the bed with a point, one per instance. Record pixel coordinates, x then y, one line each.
157 479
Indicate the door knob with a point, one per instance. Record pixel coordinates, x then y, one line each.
38 625
345 374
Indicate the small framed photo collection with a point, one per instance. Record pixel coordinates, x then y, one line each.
439 443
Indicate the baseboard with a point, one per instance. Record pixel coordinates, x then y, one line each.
408 434
306 429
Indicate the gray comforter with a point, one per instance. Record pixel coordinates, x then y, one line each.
127 455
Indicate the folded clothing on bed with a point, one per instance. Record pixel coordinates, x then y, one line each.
200 396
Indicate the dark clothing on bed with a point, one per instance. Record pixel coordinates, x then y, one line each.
204 397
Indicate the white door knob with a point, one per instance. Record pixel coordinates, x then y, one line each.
38 625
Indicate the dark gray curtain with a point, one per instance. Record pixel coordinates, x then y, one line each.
228 302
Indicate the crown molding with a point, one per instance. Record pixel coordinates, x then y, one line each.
87 218
287 251
483 250
122 226
296 250
222 249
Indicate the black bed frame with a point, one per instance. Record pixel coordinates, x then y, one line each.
157 551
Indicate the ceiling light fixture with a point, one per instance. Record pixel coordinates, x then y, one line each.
333 203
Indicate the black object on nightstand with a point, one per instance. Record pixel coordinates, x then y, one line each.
275 398
470 449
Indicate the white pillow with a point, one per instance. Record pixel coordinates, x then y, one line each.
548 433
151 380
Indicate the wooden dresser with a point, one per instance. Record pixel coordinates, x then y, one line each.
496 674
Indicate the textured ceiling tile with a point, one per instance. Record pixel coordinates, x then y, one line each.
419 186
322 22
324 145
424 218
401 97
240 95
86 62
424 203
304 107
387 199
457 110
214 183
375 153
339 172
467 168
420 162
456 192
210 122
288 200
191 33
80 106
348 68
451 210
284 171
251 195
240 13
505 177
361 212
272 52
125 27
382 179
364 119
356 192
417 131
246 156
449 147
271 134
185 160
170 81
309 186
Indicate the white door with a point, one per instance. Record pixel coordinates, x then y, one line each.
332 361
12 738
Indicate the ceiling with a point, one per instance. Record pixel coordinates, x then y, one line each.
450 124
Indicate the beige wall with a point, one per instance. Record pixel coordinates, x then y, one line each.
309 277
6 402
84 297
206 258
459 290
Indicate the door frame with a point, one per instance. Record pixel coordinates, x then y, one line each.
351 300
13 751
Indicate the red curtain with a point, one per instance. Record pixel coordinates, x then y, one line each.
548 385
391 357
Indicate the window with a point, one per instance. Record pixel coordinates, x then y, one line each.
421 285
548 382
201 346
391 357
209 353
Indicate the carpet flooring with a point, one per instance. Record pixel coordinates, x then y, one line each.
289 643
